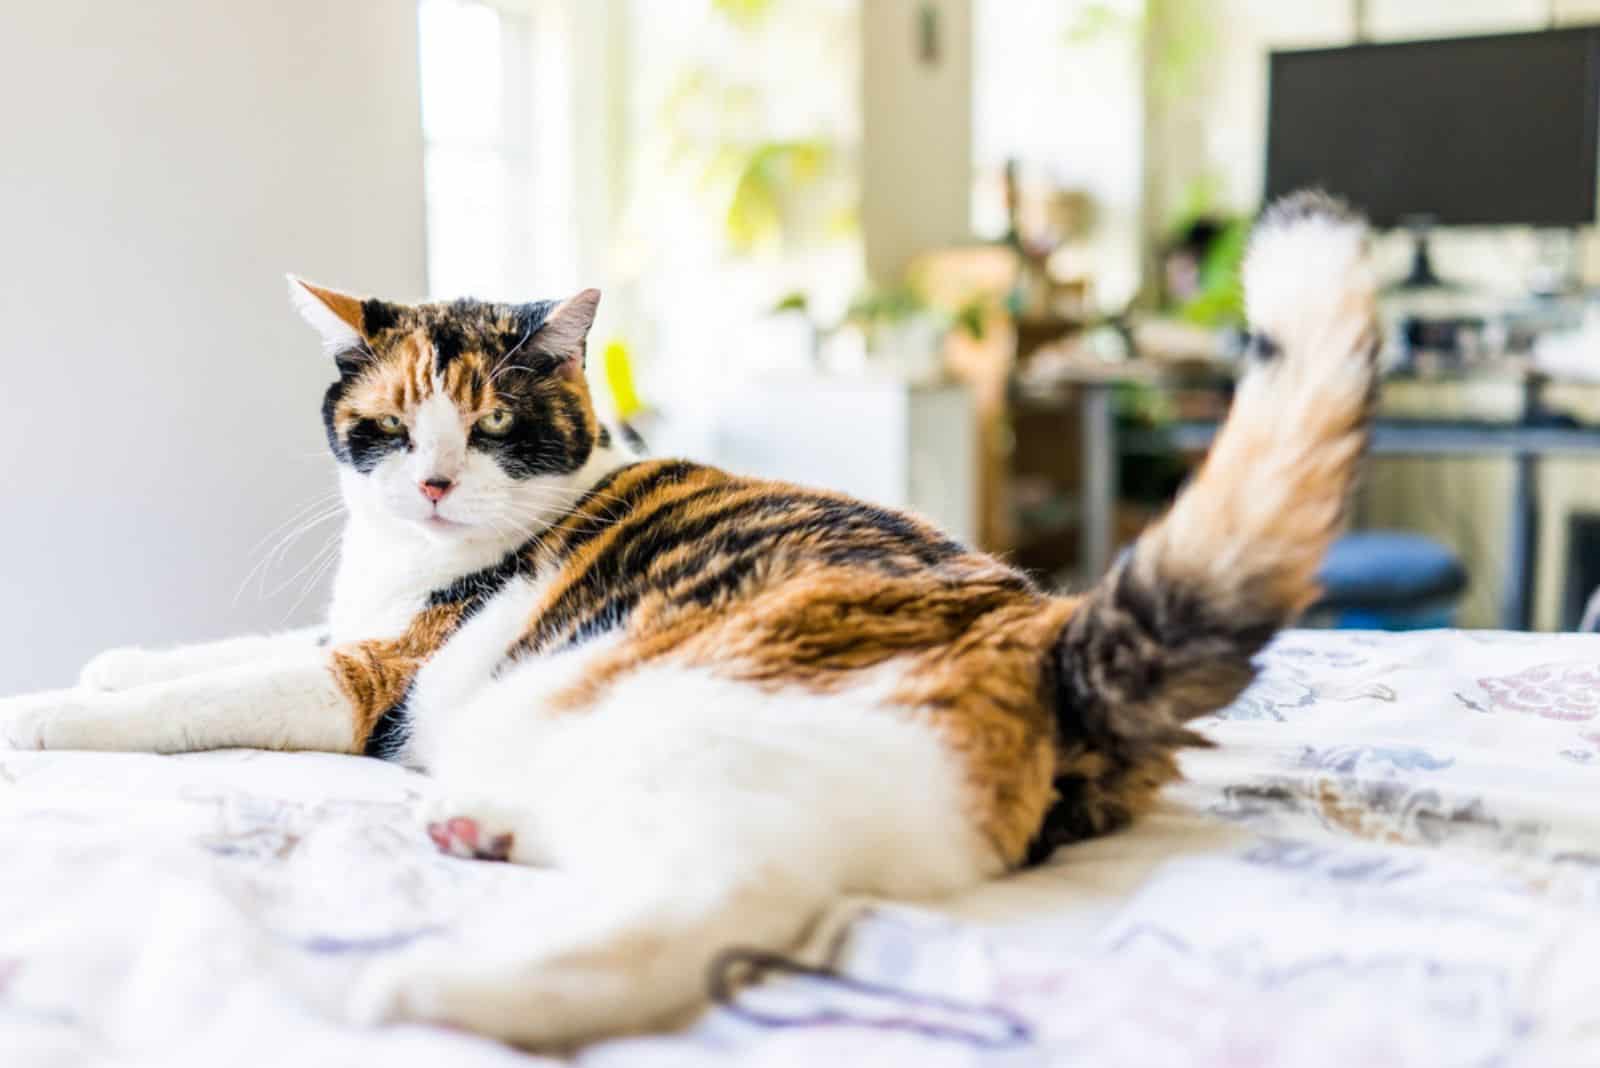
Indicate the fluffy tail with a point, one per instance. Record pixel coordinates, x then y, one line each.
1169 633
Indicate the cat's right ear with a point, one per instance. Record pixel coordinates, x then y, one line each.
340 318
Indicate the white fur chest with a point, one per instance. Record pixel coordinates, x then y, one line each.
388 565
387 572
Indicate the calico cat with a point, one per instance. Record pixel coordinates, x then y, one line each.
723 702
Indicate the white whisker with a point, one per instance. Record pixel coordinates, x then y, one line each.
268 560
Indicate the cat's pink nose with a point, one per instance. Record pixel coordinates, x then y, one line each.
435 488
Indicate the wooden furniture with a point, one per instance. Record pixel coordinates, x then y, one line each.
986 276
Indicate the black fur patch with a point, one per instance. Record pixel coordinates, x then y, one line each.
378 316
471 591
366 444
1068 820
330 400
449 340
352 360
537 443
528 318
634 439
387 739
1261 348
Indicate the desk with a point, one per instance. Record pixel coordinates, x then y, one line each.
1522 442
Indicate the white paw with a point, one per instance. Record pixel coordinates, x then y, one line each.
22 723
378 997
517 1006
37 721
480 829
121 669
556 987
399 990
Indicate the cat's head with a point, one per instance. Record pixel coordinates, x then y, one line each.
460 420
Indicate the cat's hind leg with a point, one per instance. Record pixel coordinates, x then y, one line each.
479 827
695 814
635 958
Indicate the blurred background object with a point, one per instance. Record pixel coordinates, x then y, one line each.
978 258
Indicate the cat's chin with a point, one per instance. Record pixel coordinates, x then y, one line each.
429 528
455 534
439 529
430 533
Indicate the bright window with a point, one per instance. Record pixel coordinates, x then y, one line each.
497 127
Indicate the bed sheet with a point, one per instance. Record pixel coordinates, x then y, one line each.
1391 858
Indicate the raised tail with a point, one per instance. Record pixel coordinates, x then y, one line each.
1170 632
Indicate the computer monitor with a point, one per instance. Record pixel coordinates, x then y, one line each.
1492 130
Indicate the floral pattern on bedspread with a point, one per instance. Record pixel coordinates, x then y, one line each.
1569 691
1391 859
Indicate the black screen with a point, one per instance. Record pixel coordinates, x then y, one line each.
1480 130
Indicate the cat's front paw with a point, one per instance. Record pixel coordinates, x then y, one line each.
121 669
43 720
21 723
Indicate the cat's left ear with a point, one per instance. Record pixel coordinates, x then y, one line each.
346 323
564 330
336 316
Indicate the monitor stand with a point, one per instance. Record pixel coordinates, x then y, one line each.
1421 276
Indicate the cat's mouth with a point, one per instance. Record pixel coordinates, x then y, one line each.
439 522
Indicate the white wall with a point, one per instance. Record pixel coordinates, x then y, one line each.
163 164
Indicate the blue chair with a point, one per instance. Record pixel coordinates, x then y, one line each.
1388 580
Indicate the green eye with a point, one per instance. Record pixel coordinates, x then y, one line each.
496 422
391 424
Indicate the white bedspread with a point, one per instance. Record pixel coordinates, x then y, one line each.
1392 859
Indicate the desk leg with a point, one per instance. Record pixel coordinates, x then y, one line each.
1516 595
1099 491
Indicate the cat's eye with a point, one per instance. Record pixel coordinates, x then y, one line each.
496 422
391 424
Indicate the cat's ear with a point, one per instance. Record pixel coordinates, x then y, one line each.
338 317
563 331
